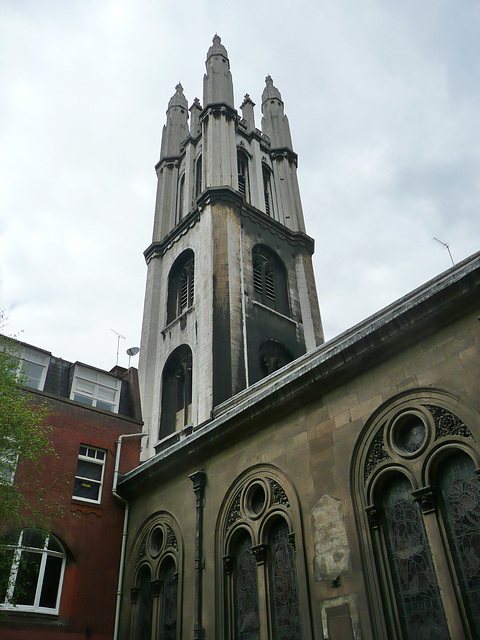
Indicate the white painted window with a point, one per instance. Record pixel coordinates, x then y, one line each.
35 579
33 367
96 389
89 474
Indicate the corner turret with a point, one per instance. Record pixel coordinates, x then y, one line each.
275 122
217 82
176 129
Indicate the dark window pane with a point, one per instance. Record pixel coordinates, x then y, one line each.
460 505
86 489
91 470
27 578
34 538
169 609
418 597
6 558
286 612
83 399
51 581
247 623
144 606
107 406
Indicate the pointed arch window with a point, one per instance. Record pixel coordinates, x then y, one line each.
247 621
416 588
143 596
181 285
243 174
459 499
415 484
181 198
270 279
155 596
176 391
198 176
267 190
262 590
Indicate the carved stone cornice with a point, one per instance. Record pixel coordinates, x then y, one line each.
284 153
158 249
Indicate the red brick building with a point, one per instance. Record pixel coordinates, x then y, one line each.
70 577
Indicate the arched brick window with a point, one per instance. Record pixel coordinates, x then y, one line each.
32 581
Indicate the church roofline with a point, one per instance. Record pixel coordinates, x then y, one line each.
382 334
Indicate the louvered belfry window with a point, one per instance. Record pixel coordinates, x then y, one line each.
181 285
242 164
269 280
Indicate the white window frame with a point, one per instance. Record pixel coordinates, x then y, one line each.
45 552
29 355
94 455
89 385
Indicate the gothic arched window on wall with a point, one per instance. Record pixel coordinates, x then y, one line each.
181 198
198 176
261 558
270 279
267 189
181 285
243 175
415 484
155 594
176 391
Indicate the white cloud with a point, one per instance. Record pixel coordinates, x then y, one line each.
383 102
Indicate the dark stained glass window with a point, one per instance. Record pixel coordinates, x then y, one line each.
144 606
169 602
418 597
284 589
247 623
460 506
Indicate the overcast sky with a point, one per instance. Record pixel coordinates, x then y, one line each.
383 100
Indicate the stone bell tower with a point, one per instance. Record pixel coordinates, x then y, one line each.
230 294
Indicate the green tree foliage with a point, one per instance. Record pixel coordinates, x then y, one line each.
24 447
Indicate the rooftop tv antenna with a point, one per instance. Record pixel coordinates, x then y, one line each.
132 351
119 335
447 247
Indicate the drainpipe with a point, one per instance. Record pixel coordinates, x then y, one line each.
125 527
199 479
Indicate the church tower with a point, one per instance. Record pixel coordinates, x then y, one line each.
230 294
